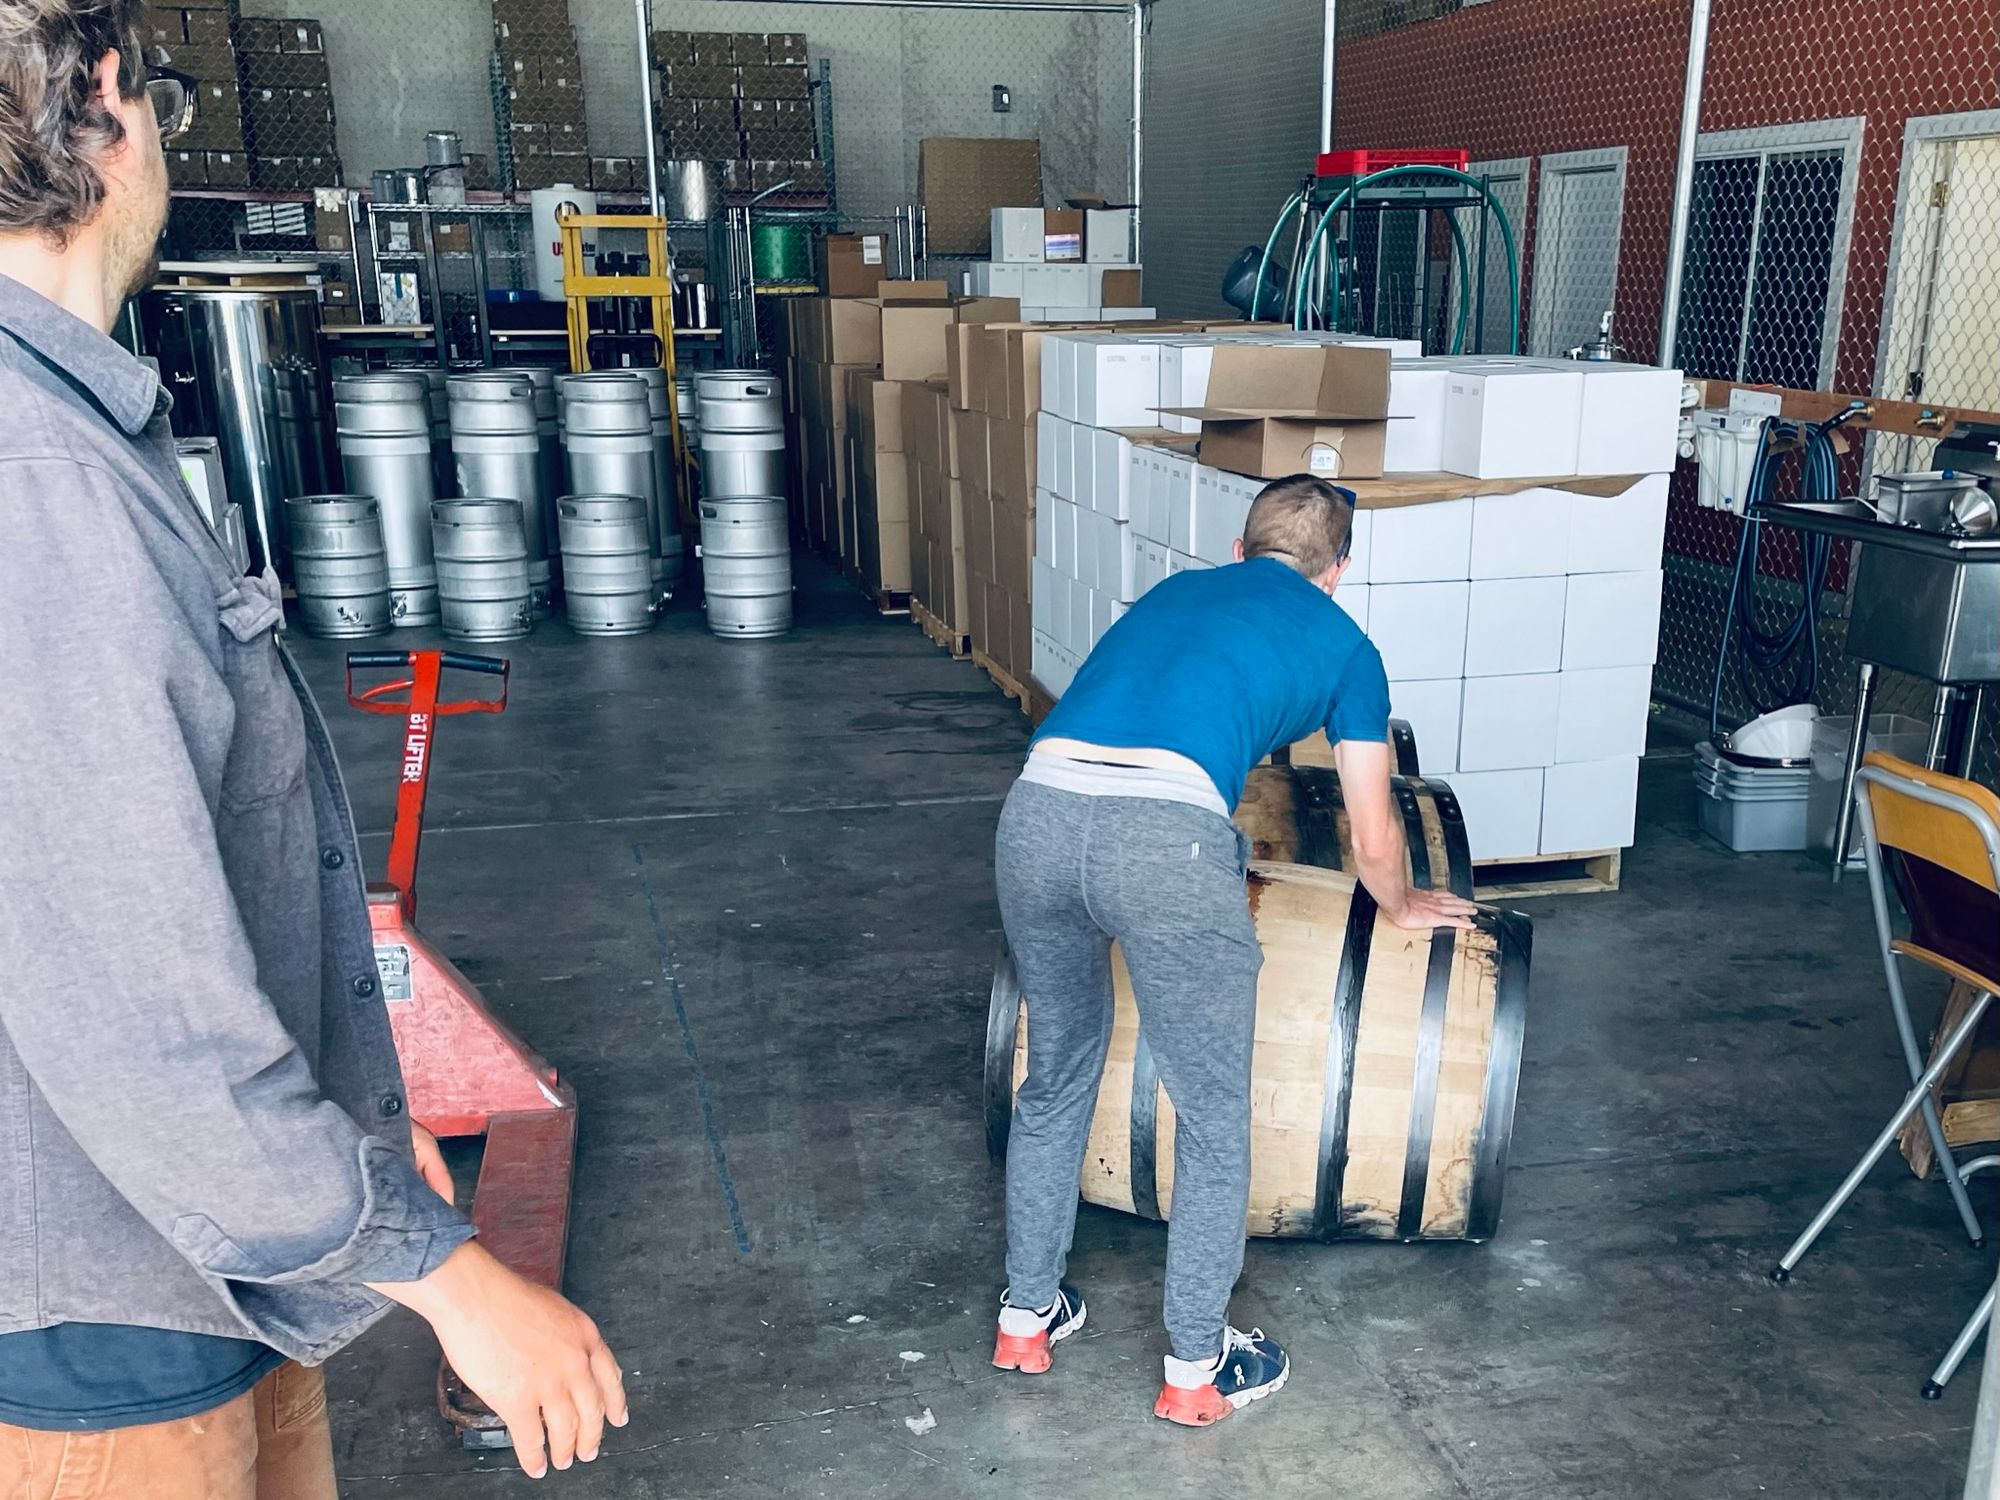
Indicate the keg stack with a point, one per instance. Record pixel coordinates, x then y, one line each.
673 550
745 546
608 444
339 565
484 593
496 445
383 425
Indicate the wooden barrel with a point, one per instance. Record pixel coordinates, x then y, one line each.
1293 814
1382 1092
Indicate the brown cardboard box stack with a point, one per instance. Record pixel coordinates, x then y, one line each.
740 99
287 104
543 73
199 39
877 481
996 392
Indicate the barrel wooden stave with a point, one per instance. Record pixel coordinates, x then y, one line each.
1412 1147
1293 814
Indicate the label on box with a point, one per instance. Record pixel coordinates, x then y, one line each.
1062 247
871 249
1321 459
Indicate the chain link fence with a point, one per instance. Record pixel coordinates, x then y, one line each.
1844 236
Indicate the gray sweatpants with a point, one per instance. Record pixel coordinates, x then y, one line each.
1165 880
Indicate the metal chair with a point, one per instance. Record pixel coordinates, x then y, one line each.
1938 838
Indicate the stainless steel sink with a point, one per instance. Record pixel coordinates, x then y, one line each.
1921 601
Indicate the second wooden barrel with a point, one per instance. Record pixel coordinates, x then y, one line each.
1384 1072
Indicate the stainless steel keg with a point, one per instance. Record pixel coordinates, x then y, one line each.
382 422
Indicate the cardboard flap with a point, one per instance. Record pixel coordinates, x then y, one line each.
912 291
1328 383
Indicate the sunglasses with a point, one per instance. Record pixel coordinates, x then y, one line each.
173 95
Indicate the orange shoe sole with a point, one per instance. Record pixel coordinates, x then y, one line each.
1203 1407
1029 1353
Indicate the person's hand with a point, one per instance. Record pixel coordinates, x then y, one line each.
1423 910
525 1351
430 1163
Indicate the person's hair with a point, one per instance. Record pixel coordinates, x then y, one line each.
53 127
1302 521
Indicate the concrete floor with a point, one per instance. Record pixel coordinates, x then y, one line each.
783 1195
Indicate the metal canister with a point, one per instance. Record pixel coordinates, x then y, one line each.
498 453
382 422
690 408
444 167
746 566
672 552
548 432
608 443
482 564
608 564
339 565
437 395
742 434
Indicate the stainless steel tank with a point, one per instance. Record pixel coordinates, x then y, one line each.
608 566
243 366
383 421
665 467
746 566
482 562
339 565
608 442
498 453
742 434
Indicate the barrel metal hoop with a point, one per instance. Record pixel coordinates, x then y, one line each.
1339 1073
1403 747
1514 947
1142 1137
1003 1013
1316 793
1430 1027
1458 851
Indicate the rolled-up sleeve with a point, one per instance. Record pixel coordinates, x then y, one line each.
128 982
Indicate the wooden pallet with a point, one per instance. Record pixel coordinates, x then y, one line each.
1546 875
1028 696
957 642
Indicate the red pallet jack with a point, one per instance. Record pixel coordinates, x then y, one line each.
464 1071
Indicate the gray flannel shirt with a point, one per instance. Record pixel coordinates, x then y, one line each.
202 1122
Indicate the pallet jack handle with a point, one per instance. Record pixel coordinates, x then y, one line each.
416 698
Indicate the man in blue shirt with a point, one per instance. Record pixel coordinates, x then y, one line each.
1119 830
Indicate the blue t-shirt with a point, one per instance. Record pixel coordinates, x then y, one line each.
1224 665
91 1377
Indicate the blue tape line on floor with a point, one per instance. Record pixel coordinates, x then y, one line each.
694 1055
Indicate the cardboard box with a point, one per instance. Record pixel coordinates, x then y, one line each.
1612 620
162 25
713 49
1512 419
782 47
702 80
213 28
1514 626
961 180
1117 383
218 119
1115 287
1062 235
1625 533
1017 235
1433 709
1630 419
616 174
913 339
852 265
969 436
301 36
1503 811
252 33
875 411
1416 417
1524 535
666 48
1012 458
187 168
771 81
1274 410
1589 807
1107 237
1603 713
208 63
1419 628
1420 543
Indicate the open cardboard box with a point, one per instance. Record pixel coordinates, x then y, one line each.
1274 411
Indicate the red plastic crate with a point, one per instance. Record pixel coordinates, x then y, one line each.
1361 163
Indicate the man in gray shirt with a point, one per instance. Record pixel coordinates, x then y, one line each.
208 1179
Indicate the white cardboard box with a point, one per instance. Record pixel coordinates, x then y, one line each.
1358 548
1062 479
1128 314
1603 713
994 279
1017 234
1590 806
1101 616
1107 236
1062 544
1173 497
1353 597
1514 626
1181 562
1432 709
1118 383
1508 723
1110 486
1503 812
1416 417
1049 435
1612 620
1222 505
1124 575
1421 543
1045 527
1055 349
1041 609
1631 419
1079 619
1625 533
1184 371
1086 547
1512 419
1523 535
1419 628
1064 286
1083 463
